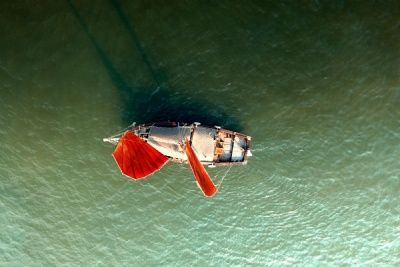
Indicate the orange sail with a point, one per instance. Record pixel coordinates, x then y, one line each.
136 158
203 179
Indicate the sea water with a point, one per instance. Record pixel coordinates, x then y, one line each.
315 83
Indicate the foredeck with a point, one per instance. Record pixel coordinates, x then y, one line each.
167 140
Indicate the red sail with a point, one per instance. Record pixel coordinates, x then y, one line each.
136 158
203 179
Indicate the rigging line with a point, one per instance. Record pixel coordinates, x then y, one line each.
121 132
118 133
223 177
183 132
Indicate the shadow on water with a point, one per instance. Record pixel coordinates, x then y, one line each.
153 104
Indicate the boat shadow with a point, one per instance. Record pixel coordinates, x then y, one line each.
158 103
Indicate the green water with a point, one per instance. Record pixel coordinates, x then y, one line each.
316 84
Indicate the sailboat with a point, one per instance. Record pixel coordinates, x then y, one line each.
143 149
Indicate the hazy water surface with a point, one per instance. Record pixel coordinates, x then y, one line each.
316 84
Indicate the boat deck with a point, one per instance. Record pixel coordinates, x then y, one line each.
212 145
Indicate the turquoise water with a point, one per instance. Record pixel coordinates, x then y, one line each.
315 84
